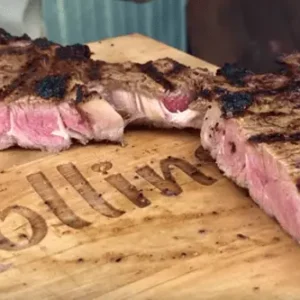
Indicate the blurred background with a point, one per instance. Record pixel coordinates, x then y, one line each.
71 21
250 32
82 21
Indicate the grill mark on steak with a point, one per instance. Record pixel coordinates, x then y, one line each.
73 52
149 69
274 137
233 73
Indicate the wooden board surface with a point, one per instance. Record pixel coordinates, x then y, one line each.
88 223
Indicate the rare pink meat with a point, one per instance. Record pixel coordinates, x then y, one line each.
38 125
255 167
177 102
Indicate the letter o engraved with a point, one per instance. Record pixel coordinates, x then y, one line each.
38 227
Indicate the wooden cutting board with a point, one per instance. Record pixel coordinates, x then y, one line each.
106 222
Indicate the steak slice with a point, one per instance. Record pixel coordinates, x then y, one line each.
254 136
48 104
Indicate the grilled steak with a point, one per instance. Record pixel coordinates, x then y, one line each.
253 133
45 100
53 94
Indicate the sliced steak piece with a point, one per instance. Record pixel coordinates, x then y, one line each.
255 139
50 90
106 123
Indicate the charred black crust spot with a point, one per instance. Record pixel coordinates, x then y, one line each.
52 86
79 94
232 147
73 52
43 43
233 73
267 138
274 137
149 69
234 104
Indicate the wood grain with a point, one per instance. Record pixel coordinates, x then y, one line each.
205 240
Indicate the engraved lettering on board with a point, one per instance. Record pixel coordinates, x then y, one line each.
51 197
166 184
84 189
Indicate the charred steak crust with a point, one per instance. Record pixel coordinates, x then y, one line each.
233 73
52 86
234 104
73 52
